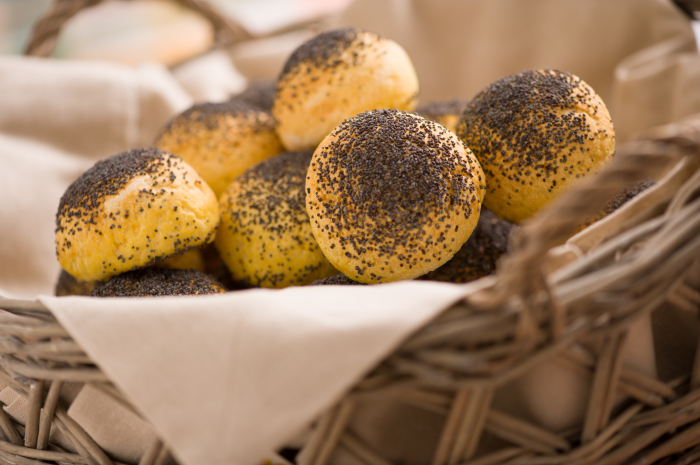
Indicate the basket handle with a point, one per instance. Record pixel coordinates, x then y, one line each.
45 33
521 274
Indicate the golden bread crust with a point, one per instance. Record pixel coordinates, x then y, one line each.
335 76
221 140
265 236
132 210
392 196
535 134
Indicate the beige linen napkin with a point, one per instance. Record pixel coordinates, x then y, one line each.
224 379
210 77
88 109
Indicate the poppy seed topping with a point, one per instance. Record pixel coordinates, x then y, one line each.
132 210
222 140
392 196
337 75
479 256
265 236
535 133
152 282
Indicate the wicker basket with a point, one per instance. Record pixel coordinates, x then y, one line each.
518 319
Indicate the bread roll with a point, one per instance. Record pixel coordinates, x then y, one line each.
221 140
132 210
265 237
536 133
392 195
335 76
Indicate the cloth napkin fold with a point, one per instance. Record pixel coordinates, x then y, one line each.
224 379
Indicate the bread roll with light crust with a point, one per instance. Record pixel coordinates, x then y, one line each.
265 236
392 195
536 133
132 210
335 76
221 140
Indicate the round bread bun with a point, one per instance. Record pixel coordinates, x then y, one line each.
221 140
392 195
265 236
535 134
158 282
446 113
479 256
68 285
132 210
335 76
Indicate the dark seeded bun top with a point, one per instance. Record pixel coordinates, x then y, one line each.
322 51
380 163
335 280
222 140
520 107
336 75
535 133
68 285
265 237
479 256
620 198
626 194
83 198
390 193
158 282
211 115
131 210
269 185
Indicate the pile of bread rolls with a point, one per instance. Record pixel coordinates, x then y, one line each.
329 177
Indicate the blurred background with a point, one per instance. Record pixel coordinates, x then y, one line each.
133 32
622 48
